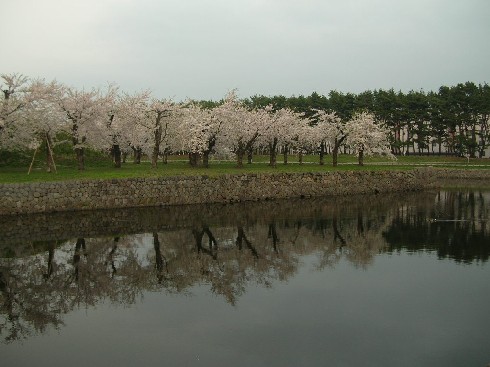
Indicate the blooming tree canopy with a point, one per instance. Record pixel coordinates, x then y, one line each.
151 123
14 88
366 137
30 116
330 129
33 113
280 129
239 127
88 113
305 139
203 129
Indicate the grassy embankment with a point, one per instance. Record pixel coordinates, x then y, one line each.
14 167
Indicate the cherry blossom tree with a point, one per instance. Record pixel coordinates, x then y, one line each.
241 128
305 139
117 128
15 98
14 133
88 113
279 129
31 117
366 137
43 120
130 117
197 133
153 121
213 122
331 130
13 87
161 115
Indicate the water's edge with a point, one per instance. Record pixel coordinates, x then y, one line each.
24 198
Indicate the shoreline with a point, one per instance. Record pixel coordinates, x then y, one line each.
65 196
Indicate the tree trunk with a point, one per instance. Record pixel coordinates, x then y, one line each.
213 243
397 141
51 248
273 235
335 150
361 157
198 235
80 153
243 238
157 138
193 159
154 155
159 259
154 160
300 156
360 223
249 156
473 143
117 155
49 154
273 153
322 153
335 155
205 159
79 248
239 158
137 155
110 257
336 232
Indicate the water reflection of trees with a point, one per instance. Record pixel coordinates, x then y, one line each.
227 248
454 225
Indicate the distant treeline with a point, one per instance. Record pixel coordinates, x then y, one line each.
453 120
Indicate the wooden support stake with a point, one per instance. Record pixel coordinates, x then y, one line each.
30 167
51 154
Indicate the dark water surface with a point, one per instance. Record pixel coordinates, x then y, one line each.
362 281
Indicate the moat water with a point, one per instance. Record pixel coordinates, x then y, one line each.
382 280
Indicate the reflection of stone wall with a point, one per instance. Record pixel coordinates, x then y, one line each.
162 191
21 229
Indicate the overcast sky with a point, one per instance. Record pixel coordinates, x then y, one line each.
203 48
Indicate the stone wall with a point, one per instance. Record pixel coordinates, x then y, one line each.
161 191
461 174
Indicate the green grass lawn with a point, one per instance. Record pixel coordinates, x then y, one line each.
100 167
